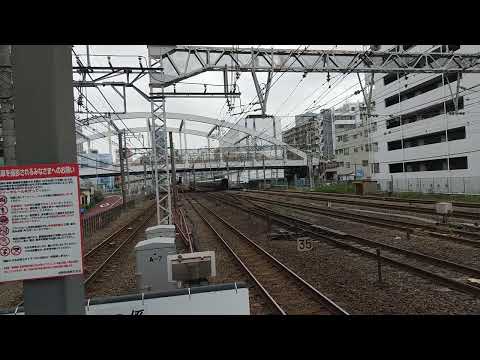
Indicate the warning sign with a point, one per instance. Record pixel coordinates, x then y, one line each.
40 213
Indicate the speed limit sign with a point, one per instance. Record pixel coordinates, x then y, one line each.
304 244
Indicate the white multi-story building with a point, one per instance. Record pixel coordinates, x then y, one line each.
352 153
347 117
427 132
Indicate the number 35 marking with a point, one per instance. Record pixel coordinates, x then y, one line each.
304 244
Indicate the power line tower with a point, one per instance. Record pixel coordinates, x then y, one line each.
159 141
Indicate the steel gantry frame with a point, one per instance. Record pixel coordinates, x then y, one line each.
169 65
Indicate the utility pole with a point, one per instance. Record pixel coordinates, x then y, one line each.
174 173
126 160
45 133
122 171
144 175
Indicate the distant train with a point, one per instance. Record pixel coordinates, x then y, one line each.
214 185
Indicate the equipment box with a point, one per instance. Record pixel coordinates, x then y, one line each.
151 257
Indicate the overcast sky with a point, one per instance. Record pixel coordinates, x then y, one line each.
305 92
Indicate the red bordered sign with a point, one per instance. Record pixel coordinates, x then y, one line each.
41 203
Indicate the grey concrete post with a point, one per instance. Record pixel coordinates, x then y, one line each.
7 116
45 129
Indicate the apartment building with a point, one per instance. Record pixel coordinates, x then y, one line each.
427 127
313 132
353 151
347 117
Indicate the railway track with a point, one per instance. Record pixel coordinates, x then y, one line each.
459 204
456 235
287 292
345 200
98 257
450 274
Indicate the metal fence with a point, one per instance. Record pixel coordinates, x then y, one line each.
92 223
469 185
432 185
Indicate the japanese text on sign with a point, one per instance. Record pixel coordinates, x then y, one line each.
40 233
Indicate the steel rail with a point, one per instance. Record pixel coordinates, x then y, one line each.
325 299
382 198
388 223
131 236
435 260
242 264
458 214
451 283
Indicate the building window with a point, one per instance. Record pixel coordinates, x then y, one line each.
375 147
458 163
346 151
428 139
425 113
364 162
456 133
396 168
376 168
422 88
394 145
347 165
355 149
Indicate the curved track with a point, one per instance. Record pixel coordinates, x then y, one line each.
364 201
456 235
450 274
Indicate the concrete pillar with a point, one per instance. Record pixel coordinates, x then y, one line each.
45 130
7 115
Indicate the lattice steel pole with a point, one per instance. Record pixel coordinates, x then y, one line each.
160 152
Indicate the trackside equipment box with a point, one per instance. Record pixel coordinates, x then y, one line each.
160 231
151 256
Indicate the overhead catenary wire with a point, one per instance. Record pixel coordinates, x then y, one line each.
106 100
251 103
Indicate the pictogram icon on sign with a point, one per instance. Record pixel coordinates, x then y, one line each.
3 210
16 250
4 251
4 241
4 230
3 200
3 219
